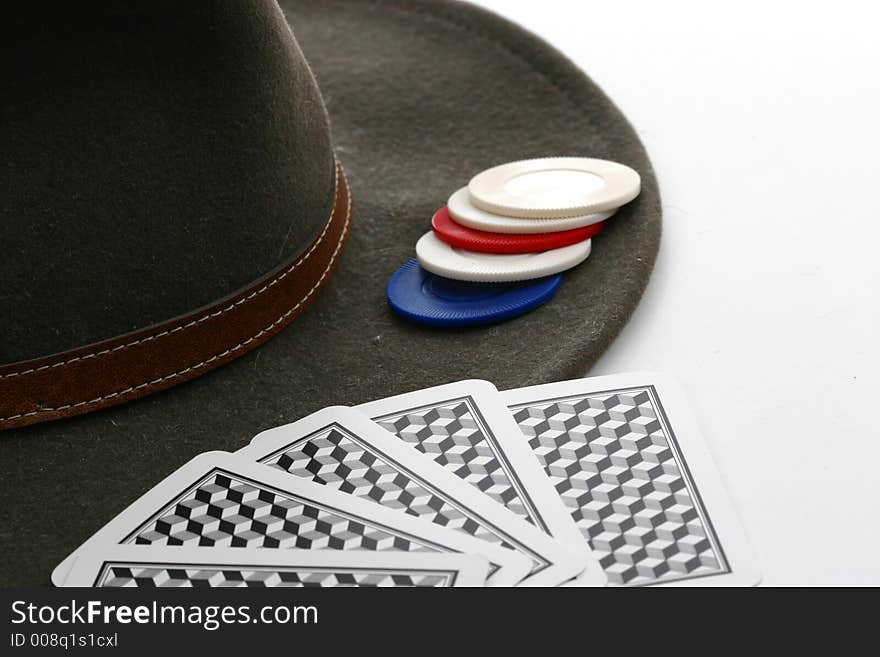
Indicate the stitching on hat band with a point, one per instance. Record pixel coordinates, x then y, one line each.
73 408
183 327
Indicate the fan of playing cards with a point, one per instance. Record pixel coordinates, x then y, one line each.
581 483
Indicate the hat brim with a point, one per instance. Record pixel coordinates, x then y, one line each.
421 95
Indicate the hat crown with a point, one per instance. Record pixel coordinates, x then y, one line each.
158 156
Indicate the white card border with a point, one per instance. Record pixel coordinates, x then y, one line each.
687 440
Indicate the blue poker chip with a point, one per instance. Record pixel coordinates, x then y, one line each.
426 298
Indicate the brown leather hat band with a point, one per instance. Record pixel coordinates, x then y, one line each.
126 367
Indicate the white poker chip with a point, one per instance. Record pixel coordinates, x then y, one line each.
465 213
441 259
554 187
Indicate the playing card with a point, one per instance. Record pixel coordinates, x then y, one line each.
219 499
341 448
466 428
631 466
183 567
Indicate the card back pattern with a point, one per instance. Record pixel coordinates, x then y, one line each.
223 509
613 458
456 436
138 575
333 456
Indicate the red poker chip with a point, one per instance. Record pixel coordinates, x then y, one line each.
480 241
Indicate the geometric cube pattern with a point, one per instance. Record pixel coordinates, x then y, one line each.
612 464
336 458
451 434
191 576
223 511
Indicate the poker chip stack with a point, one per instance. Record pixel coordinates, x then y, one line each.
499 247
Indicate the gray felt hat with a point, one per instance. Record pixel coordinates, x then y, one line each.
197 202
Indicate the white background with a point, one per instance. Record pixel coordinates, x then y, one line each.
762 122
